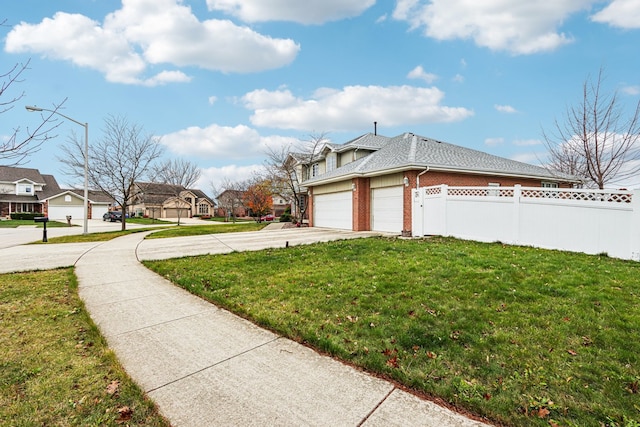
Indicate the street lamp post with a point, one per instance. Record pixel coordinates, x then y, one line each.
86 161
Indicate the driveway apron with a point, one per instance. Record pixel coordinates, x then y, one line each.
205 366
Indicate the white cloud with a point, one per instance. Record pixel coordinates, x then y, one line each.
151 32
631 90
620 13
239 142
492 142
352 108
381 19
458 78
515 26
531 158
527 142
212 99
420 73
508 109
303 12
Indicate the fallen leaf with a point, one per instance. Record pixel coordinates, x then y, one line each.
543 412
113 387
431 355
393 362
572 352
125 414
486 396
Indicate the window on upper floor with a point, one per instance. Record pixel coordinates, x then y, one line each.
315 170
25 189
332 162
546 184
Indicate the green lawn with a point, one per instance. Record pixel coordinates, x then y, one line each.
197 230
519 335
13 223
55 368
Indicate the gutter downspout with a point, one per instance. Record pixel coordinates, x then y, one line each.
418 177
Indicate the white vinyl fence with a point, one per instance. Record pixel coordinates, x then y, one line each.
589 221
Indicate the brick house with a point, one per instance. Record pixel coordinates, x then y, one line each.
157 200
366 183
26 190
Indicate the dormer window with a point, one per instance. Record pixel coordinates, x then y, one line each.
25 189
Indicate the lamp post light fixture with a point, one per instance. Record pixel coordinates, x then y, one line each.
31 108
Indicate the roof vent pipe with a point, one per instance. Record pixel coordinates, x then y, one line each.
375 128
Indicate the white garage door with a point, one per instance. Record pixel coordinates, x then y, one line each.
98 210
386 209
61 212
333 210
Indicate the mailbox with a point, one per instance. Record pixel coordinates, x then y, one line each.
44 220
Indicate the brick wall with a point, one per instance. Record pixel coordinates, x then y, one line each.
361 205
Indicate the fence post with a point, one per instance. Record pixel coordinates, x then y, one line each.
517 192
635 226
444 196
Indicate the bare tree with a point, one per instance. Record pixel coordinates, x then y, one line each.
15 149
181 174
289 166
123 156
596 140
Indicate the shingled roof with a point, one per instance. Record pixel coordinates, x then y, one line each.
13 174
409 151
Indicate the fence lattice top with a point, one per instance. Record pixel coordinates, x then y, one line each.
614 196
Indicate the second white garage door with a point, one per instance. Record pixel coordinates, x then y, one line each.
386 209
333 210
61 212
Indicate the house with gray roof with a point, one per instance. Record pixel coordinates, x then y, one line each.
367 184
26 190
158 200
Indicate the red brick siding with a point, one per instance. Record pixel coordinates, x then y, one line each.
361 205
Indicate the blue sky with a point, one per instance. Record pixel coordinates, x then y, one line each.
221 80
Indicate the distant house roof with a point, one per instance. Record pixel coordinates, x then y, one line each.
13 174
409 151
158 193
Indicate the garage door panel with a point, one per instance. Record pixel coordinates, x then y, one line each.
61 212
387 209
98 210
334 210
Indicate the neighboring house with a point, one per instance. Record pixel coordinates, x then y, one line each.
27 190
63 203
280 205
156 200
366 183
232 201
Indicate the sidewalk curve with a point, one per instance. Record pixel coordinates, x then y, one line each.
205 366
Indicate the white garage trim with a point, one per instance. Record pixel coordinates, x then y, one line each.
60 212
387 209
333 210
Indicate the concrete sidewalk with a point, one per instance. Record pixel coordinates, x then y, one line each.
205 366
